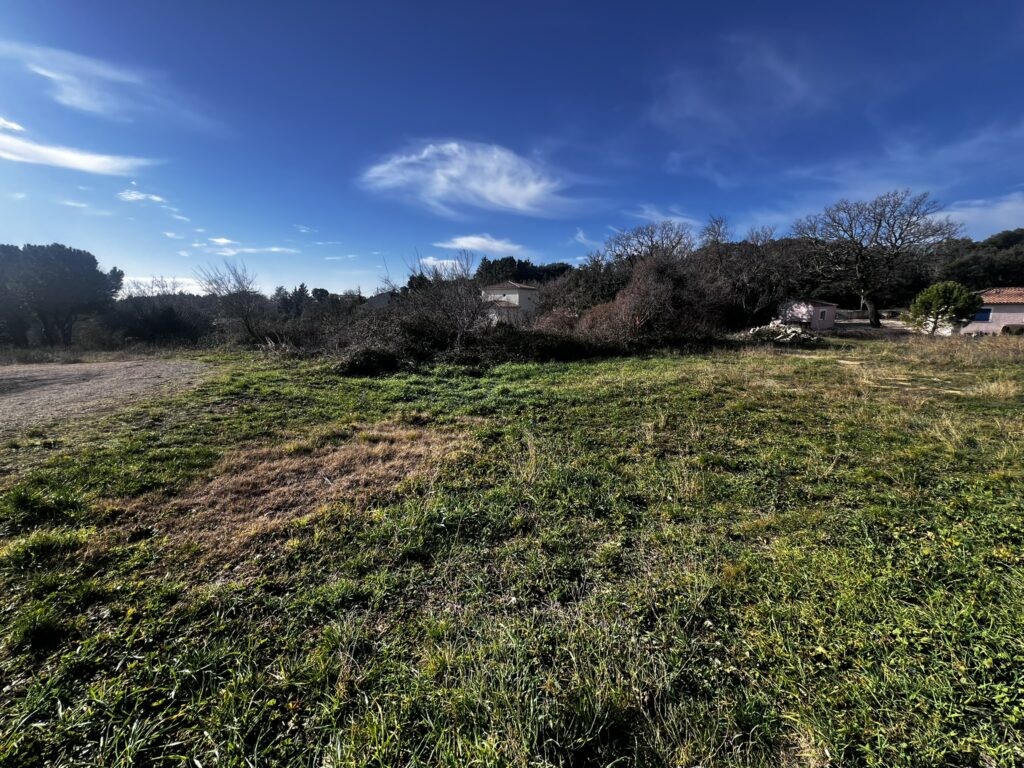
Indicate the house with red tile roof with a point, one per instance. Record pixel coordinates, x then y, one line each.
1002 310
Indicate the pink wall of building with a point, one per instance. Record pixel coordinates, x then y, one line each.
1002 314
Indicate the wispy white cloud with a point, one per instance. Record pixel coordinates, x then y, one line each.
22 150
134 196
9 125
179 217
223 241
581 238
985 217
84 207
451 176
98 87
340 258
920 163
327 242
270 249
433 262
200 230
491 246
303 228
653 213
750 85
172 235
18 195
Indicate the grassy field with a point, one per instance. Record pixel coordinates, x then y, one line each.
808 558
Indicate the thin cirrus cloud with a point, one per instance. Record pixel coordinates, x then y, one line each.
984 216
453 176
22 150
654 214
84 207
136 196
240 251
483 243
748 83
10 125
581 238
97 87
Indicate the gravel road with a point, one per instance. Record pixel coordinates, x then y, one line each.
32 395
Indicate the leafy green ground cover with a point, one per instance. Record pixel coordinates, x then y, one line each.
806 558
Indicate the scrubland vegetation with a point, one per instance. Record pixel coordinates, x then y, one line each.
746 557
657 286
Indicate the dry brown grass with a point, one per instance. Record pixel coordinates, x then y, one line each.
957 351
259 492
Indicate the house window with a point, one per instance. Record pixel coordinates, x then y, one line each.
821 315
983 315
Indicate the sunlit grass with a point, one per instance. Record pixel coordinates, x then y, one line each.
739 558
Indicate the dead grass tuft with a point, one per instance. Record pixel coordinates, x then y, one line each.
258 492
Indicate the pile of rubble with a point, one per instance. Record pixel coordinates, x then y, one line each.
778 332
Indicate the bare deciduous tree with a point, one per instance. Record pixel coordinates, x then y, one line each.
666 239
237 294
863 244
440 304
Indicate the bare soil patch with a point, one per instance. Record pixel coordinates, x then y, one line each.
258 492
34 395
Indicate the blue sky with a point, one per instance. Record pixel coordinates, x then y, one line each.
331 144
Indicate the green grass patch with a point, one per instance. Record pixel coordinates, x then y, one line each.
745 558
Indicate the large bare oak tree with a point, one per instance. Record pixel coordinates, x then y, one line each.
864 244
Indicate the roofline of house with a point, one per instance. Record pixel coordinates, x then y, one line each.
507 283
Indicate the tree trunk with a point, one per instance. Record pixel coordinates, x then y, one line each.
874 319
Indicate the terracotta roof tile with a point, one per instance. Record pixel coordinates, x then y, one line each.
1003 295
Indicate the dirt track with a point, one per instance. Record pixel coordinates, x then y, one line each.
32 395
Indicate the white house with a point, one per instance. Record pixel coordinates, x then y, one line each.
1001 307
815 315
511 302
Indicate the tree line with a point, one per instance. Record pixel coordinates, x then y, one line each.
657 284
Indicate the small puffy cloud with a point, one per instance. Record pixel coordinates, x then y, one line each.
10 125
184 254
134 196
200 230
179 217
223 241
303 228
21 150
172 235
492 246
451 176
